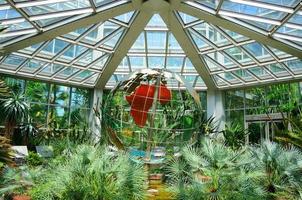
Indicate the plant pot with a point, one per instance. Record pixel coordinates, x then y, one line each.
21 197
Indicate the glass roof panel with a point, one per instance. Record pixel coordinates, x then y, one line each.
156 61
80 55
56 7
286 3
32 66
235 36
156 47
211 34
240 56
258 51
188 67
187 18
278 69
260 72
242 8
244 75
156 41
296 19
173 45
125 17
294 65
156 21
209 3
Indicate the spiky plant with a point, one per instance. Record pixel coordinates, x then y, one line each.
15 109
5 150
234 135
213 171
281 170
93 173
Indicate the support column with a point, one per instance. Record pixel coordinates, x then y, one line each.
94 122
215 107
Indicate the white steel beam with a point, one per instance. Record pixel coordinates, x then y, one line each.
137 26
227 24
69 27
186 43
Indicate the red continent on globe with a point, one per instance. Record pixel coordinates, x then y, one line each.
141 101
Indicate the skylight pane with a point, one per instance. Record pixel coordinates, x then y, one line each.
187 18
156 62
55 7
13 61
209 3
125 17
260 72
173 45
294 65
239 55
137 62
286 3
113 41
252 10
32 66
211 34
290 31
235 36
188 67
156 41
296 19
139 44
198 41
258 51
9 14
156 21
278 70
175 63
221 59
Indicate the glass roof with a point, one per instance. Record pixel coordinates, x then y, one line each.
79 55
156 47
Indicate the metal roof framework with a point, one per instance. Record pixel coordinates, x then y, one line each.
214 44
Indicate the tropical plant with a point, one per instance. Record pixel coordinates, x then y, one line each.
5 150
281 170
216 171
4 90
234 135
93 173
16 110
33 159
17 180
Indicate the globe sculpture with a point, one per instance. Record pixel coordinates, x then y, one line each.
151 113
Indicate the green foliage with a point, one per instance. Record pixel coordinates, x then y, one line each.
215 171
16 110
4 90
234 135
33 159
17 180
5 150
93 173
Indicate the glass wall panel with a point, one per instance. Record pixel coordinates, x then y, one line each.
234 99
52 105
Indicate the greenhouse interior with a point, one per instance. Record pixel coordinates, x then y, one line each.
150 99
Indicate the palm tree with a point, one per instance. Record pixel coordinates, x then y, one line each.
281 170
15 110
93 173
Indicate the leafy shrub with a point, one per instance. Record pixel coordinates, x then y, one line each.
33 159
93 173
216 171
